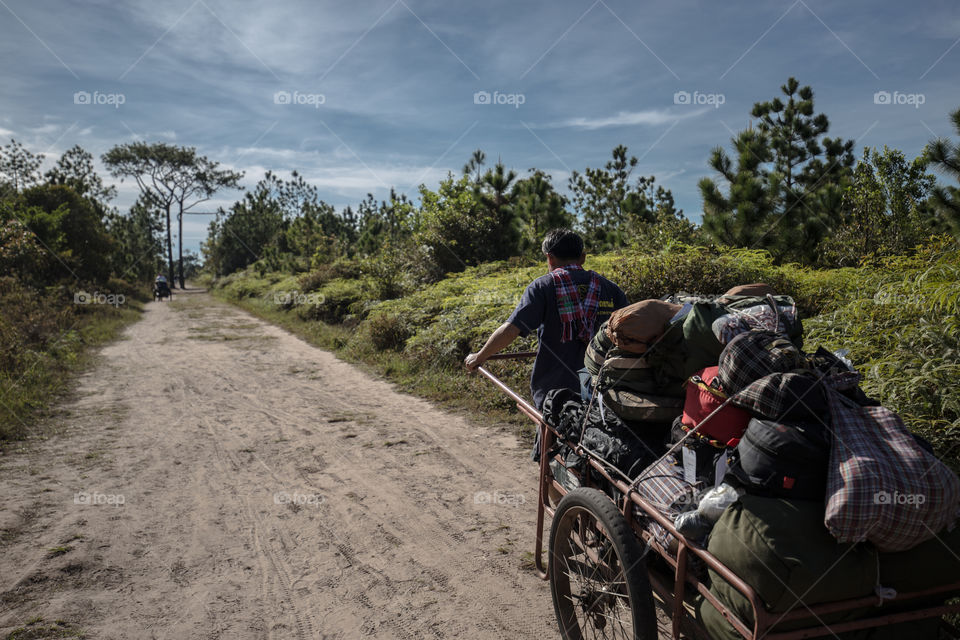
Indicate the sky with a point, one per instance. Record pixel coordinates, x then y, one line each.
367 95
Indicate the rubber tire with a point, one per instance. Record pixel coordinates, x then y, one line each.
629 554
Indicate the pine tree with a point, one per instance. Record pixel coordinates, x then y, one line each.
75 169
945 156
171 178
740 218
477 160
19 167
600 198
494 192
538 208
798 173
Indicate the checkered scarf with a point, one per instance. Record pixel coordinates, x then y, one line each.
572 310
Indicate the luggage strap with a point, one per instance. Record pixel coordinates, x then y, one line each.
702 438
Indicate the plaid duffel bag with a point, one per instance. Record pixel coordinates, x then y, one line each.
882 486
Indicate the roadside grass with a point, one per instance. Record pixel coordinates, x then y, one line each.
37 629
41 373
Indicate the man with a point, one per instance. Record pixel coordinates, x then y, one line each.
565 308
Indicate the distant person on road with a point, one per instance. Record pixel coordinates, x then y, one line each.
160 287
565 308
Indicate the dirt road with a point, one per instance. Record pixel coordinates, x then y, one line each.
216 477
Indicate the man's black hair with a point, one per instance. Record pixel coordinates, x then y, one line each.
564 244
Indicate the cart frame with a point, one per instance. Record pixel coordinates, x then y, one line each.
677 590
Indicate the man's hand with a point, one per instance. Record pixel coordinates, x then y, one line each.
472 362
498 340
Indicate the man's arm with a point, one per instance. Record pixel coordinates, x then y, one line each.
497 342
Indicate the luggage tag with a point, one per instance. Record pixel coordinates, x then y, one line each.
723 463
689 465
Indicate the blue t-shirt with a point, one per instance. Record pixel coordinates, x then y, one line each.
557 362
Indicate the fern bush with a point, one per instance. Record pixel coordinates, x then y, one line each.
903 332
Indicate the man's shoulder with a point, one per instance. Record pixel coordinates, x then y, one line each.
606 281
609 285
546 280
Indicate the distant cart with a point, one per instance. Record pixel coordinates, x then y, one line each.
603 583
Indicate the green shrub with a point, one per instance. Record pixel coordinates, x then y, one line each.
131 291
244 284
337 300
31 321
696 270
387 331
345 268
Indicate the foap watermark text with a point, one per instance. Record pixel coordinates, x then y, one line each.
299 499
512 99
899 98
298 298
897 498
699 99
96 498
113 299
100 99
295 97
502 498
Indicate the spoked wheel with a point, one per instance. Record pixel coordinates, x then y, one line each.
598 577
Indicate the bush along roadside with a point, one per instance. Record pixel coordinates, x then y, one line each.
47 336
897 316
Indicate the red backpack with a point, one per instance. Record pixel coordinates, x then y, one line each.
704 395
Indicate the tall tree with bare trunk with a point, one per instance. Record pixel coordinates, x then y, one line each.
173 179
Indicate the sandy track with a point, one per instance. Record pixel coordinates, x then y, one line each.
269 491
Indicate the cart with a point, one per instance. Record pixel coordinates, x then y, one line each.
608 572
161 290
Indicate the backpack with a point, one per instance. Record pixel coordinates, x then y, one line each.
604 434
635 327
780 460
754 355
645 408
610 366
795 396
702 347
560 409
704 395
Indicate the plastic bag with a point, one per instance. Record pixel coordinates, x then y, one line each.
716 500
696 525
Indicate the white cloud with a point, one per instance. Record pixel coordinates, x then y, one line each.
5 132
263 38
46 129
651 117
350 182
